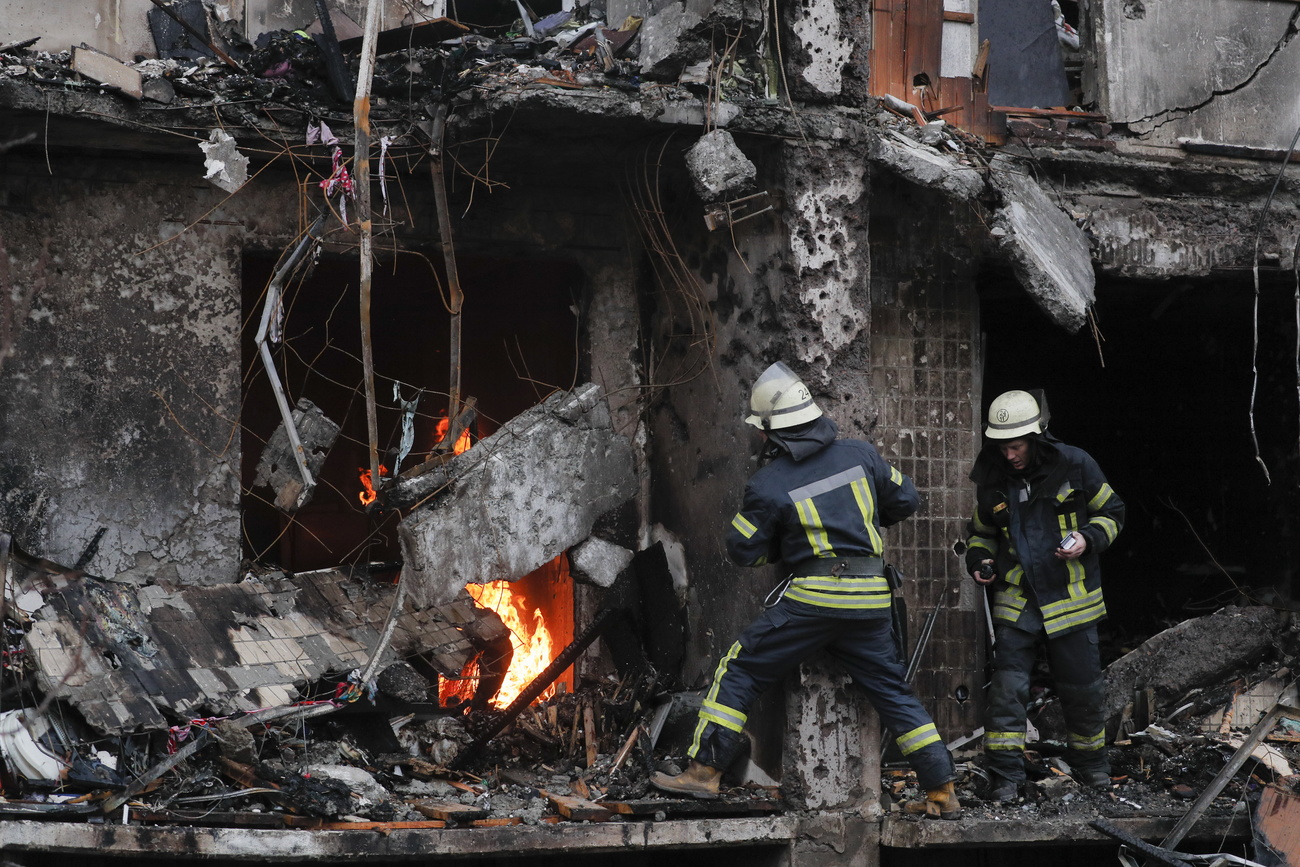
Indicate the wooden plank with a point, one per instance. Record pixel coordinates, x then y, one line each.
448 811
885 59
959 17
1015 111
496 823
590 735
1278 819
578 809
924 49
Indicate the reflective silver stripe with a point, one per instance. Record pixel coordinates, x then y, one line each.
826 485
839 600
1004 740
722 715
743 526
917 738
1085 743
711 698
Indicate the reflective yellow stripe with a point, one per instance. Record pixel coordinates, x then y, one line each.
1004 740
1101 498
1065 606
982 526
895 476
917 738
812 527
852 601
981 543
711 699
722 715
1087 615
847 584
1084 743
867 506
743 526
1108 526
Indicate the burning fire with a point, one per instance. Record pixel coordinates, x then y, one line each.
532 640
462 441
367 493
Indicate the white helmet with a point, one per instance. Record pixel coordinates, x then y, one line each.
780 400
1014 414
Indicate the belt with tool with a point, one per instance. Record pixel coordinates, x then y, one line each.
838 566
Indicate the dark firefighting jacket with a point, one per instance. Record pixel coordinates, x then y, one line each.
820 502
1019 522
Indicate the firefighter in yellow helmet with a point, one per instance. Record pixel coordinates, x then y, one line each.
1044 512
818 506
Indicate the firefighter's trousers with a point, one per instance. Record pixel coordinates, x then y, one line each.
791 632
1076 667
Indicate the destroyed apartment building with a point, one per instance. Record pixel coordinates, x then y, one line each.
375 375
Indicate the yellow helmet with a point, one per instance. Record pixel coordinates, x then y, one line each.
1014 414
780 400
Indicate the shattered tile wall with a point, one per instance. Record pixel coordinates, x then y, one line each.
925 360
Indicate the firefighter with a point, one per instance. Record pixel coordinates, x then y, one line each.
1043 515
817 504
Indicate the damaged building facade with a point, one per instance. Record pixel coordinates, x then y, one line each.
580 245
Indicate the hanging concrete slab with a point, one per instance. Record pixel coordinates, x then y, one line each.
1048 252
924 166
519 498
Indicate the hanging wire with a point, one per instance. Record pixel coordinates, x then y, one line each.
1254 267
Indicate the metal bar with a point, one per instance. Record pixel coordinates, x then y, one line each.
361 171
272 299
456 298
1257 734
1156 854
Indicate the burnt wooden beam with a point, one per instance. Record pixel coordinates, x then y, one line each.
566 658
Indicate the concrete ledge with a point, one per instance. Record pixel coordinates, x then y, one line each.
329 847
1000 831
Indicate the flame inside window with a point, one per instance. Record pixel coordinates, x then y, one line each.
538 611
367 493
462 442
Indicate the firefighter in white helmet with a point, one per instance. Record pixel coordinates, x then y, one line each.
1044 512
818 506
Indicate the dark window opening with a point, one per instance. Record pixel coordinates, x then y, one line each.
1168 419
519 342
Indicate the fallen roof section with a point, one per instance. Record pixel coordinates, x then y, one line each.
128 656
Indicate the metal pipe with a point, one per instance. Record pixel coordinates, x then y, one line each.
456 298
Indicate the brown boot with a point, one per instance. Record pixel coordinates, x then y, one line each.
940 803
700 781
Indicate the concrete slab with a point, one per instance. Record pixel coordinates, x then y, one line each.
1048 252
519 498
1007 829
925 166
339 847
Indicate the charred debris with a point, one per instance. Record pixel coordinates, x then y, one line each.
372 696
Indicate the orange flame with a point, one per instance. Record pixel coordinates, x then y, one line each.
367 493
462 442
532 640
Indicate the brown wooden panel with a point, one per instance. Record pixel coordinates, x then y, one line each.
924 49
888 48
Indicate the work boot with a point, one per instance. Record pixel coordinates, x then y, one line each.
1093 778
1002 790
940 803
699 781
